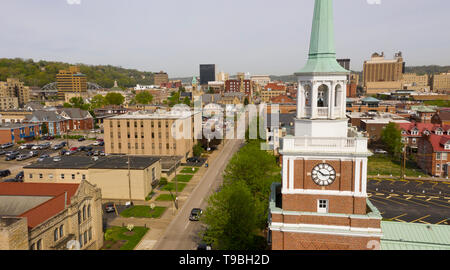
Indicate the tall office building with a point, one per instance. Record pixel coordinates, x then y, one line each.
71 81
381 70
345 63
207 74
160 78
13 88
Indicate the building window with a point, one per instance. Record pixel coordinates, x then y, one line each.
55 235
90 234
438 167
62 176
120 145
438 156
174 146
73 176
128 124
85 238
167 124
79 217
136 146
153 125
31 176
61 231
167 146
159 135
84 213
81 240
322 206
153 146
153 135
159 124
89 211
39 244
41 176
83 177
143 146
142 124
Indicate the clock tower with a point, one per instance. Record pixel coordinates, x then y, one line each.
322 201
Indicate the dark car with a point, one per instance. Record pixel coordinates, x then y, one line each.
63 143
2 152
13 181
10 157
57 147
49 138
101 143
63 152
109 208
5 173
81 139
204 246
6 145
90 153
82 148
195 214
88 148
20 176
194 160
34 153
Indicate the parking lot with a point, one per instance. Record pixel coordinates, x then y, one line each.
411 201
16 166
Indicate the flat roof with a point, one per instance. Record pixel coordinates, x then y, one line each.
85 162
156 115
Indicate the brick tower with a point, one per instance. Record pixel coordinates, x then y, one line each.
322 202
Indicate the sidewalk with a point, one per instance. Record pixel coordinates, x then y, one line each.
436 179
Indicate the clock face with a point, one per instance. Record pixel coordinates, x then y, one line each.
323 175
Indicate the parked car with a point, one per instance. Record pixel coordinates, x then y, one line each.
81 139
6 145
63 152
26 146
74 149
44 146
194 160
10 157
195 214
2 152
63 143
90 153
49 138
34 153
20 175
13 181
43 157
88 148
56 158
96 143
102 153
380 151
204 246
15 153
35 147
23 157
109 208
101 144
5 173
57 147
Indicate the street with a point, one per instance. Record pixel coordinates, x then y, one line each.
183 234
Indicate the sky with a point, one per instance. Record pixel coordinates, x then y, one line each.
256 36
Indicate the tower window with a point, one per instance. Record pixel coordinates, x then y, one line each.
322 206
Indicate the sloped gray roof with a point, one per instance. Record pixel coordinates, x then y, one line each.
75 113
45 116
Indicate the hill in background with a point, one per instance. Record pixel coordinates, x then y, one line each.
44 72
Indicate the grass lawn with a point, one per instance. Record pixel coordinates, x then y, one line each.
384 165
183 178
140 211
171 187
165 198
189 170
119 238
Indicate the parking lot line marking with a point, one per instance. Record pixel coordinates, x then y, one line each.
399 216
378 201
390 200
440 222
400 220
424 222
419 219
417 198
431 198
379 194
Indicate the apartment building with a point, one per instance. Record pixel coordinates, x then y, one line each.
152 134
71 80
382 74
441 82
13 88
272 90
433 154
45 216
160 78
9 103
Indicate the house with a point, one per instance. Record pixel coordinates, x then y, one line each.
56 124
14 133
46 216
433 154
78 119
441 117
412 132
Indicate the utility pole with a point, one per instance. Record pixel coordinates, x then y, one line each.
129 179
404 163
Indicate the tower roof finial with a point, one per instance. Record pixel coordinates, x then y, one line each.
322 54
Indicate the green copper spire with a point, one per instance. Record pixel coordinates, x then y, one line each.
322 55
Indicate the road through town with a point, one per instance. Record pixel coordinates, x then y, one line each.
183 234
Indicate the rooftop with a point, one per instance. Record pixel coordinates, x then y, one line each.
159 114
84 162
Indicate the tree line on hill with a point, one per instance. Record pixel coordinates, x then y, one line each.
44 72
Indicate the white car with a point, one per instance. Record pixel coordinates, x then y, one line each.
36 147
380 151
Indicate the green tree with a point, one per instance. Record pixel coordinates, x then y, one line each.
187 101
144 97
67 105
246 101
98 101
76 102
391 136
114 99
44 128
198 150
231 218
174 99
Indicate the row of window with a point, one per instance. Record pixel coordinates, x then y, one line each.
143 146
85 237
50 176
84 214
135 123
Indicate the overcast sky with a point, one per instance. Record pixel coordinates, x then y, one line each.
256 36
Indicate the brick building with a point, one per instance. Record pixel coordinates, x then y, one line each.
78 119
433 154
413 132
14 133
50 216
